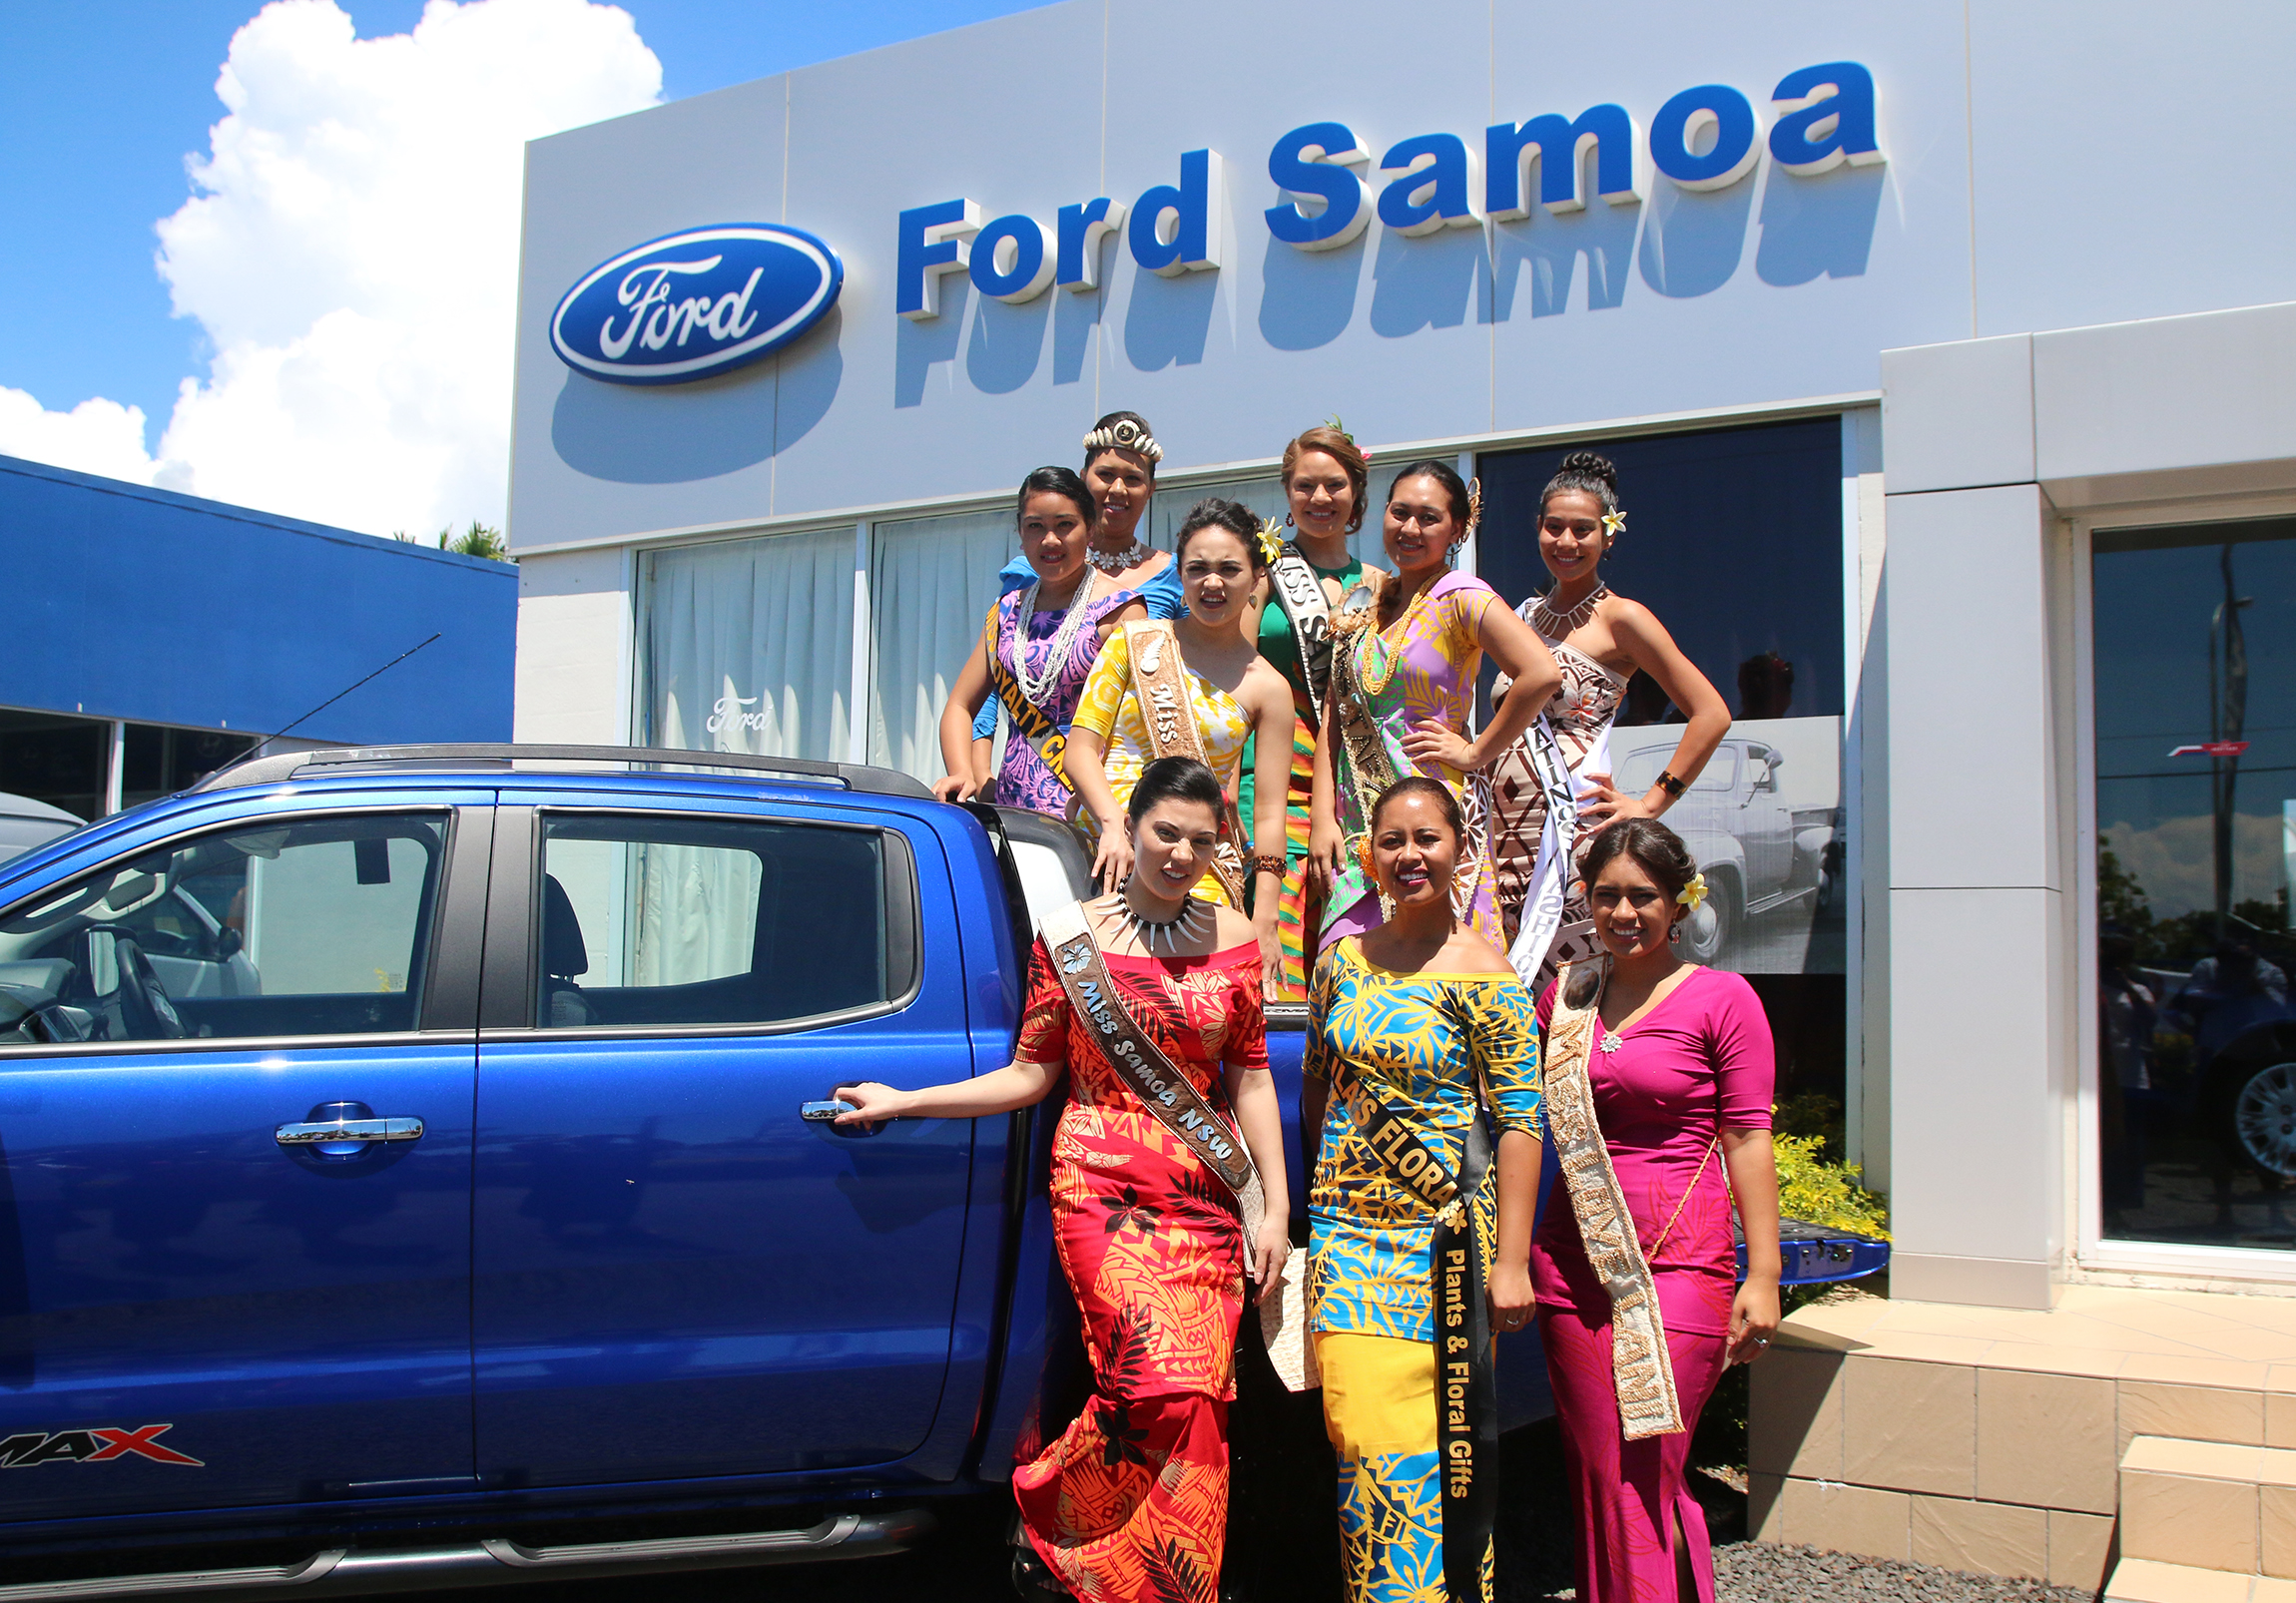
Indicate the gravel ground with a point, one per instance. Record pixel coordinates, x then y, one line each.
1750 1572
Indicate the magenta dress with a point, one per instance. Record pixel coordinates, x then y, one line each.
1698 1063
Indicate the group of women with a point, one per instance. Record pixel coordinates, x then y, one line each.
1266 742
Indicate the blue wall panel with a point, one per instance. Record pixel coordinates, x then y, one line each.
125 602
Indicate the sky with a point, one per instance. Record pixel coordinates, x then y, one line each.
267 254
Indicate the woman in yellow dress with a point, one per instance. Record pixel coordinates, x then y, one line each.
1195 686
1419 1215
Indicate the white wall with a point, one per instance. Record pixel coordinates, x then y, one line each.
575 613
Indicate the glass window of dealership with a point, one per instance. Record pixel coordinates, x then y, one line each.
773 642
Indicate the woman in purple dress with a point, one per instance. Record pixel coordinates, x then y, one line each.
1658 1084
1035 649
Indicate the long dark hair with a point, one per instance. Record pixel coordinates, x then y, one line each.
1056 481
1170 778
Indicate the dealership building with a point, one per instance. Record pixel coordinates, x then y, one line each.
1946 355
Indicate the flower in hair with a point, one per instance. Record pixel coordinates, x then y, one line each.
1692 894
1271 540
1473 509
1614 523
1335 427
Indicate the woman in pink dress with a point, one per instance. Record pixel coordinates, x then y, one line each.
1681 1072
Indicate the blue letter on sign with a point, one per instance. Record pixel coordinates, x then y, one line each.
934 241
1081 230
1795 143
1316 160
1198 208
1447 181
1684 118
1559 149
1031 265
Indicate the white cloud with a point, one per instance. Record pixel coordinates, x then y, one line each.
352 252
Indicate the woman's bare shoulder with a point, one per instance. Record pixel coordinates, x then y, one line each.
1470 952
1230 928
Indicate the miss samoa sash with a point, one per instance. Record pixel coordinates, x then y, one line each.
1466 1394
1300 594
1647 1403
1550 874
1028 720
1180 1108
1160 681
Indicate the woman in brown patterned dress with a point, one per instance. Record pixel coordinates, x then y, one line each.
1599 640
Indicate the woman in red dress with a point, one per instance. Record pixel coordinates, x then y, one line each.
1130 1505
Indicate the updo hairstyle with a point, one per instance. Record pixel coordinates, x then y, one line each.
1657 850
1233 516
1169 778
1110 421
1420 784
1336 445
1587 472
1056 481
1455 487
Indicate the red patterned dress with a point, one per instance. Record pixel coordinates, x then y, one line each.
1131 1503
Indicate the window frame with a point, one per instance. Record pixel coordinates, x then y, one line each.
447 1004
2094 1255
520 976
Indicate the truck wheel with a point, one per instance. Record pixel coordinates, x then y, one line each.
1708 931
2264 1119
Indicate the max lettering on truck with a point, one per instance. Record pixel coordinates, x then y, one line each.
93 1447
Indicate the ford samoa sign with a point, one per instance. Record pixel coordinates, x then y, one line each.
696 304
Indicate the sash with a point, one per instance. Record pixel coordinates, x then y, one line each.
1644 1374
1160 682
1180 1108
1466 1391
1542 903
1030 721
1300 594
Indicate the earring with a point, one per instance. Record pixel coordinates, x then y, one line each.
1288 520
1364 856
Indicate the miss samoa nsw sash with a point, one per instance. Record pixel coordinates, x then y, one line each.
1160 681
1028 720
1466 1392
1300 594
1180 1108
1647 1403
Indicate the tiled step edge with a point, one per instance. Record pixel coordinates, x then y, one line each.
2140 1580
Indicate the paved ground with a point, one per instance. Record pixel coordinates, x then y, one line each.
966 1563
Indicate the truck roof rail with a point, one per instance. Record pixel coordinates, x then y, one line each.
305 765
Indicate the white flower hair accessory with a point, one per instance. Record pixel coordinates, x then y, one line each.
1614 524
1693 893
1271 540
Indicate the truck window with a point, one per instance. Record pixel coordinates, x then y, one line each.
309 926
653 921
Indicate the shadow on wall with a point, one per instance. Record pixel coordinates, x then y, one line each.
675 433
1167 320
1809 230
1428 282
1307 297
917 346
1692 240
1074 316
1006 343
1550 245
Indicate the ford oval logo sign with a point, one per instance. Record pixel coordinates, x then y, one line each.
696 304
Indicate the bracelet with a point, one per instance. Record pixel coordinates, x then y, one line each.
1670 785
1268 862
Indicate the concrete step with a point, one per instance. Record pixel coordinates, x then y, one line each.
2143 1580
2209 1505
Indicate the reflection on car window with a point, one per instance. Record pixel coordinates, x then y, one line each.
317 927
653 921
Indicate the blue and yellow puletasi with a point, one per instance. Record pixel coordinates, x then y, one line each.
1424 1041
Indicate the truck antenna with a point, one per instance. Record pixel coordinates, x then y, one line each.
257 749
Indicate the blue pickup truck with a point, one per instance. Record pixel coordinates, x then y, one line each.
412 1170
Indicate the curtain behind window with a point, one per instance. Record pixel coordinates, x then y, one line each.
749 645
931 580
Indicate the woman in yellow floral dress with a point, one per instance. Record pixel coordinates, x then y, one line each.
1418 1227
1232 693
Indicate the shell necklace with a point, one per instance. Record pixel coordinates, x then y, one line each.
1113 563
1038 688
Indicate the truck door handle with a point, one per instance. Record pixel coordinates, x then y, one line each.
825 1112
312 1135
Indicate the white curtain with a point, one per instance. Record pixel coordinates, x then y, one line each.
930 584
749 645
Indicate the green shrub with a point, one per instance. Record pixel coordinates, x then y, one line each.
1820 1192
